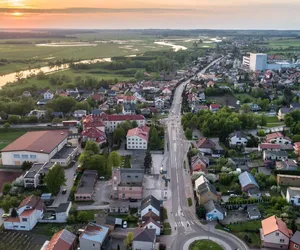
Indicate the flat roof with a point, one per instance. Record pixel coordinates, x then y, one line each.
64 152
38 141
87 181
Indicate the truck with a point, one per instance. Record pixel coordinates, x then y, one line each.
71 123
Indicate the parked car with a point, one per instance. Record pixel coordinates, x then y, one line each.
5 215
102 178
64 191
125 224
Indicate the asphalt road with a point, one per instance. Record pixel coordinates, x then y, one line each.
186 224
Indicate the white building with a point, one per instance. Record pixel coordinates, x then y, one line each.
79 113
144 239
32 176
35 146
93 237
137 138
111 122
237 139
30 210
48 95
293 195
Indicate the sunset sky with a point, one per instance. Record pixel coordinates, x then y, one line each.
175 14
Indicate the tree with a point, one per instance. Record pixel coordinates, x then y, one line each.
97 162
114 160
14 213
201 212
118 134
55 178
134 124
6 125
139 75
128 240
6 205
26 165
188 134
82 216
148 161
92 146
6 187
154 139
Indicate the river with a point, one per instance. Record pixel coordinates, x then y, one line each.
12 76
174 46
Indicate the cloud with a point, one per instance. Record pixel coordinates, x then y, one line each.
94 10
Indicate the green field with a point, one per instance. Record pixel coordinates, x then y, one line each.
8 137
204 244
242 96
284 43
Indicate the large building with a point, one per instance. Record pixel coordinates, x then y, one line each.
137 138
111 122
36 146
259 62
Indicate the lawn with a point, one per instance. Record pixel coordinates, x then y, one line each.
167 230
242 96
204 244
272 119
250 228
8 137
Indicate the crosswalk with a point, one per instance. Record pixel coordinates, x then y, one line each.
184 223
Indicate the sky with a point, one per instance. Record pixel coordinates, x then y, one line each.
144 14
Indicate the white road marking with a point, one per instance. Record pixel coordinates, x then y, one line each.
182 223
192 222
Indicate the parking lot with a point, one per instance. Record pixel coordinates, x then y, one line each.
235 216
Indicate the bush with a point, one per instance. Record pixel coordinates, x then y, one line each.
190 202
6 188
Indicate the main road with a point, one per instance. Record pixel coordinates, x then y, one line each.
183 218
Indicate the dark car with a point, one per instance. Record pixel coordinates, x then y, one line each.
64 191
132 200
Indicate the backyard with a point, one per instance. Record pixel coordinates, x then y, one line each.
247 231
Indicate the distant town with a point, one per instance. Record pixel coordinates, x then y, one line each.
196 144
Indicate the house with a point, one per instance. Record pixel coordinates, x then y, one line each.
214 107
127 183
277 138
32 176
79 113
290 165
37 113
213 211
35 146
199 164
202 98
57 214
269 147
112 222
282 112
111 93
249 184
86 186
43 101
297 148
29 211
129 99
128 108
253 212
274 233
293 196
210 84
144 239
94 134
288 180
205 145
62 240
205 191
167 91
48 95
97 97
152 224
93 121
137 138
295 241
159 103
275 155
150 204
237 139
93 237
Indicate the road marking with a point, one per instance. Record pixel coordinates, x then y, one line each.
182 223
192 222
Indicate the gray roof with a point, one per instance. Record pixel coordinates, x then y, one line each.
253 210
146 235
285 110
95 232
205 187
87 181
132 177
296 238
277 153
239 134
36 167
246 179
150 200
211 205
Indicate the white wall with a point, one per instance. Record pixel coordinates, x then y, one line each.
8 157
135 142
238 141
138 245
151 225
216 213
89 245
147 209
273 238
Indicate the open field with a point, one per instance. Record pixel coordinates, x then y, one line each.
284 43
8 137
242 96
204 244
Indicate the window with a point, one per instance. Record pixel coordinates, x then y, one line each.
24 219
24 156
296 246
277 234
22 226
281 240
32 156
17 156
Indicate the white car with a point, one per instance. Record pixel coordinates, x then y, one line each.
125 224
